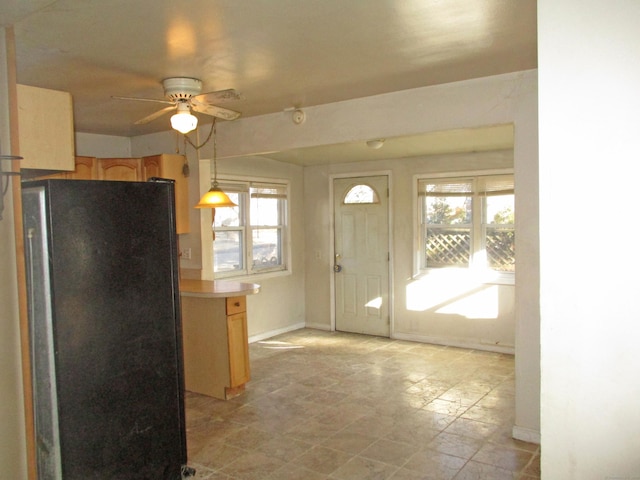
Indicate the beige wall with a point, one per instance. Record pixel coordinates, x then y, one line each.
12 431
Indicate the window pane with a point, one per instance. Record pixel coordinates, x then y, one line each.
229 216
227 251
265 211
500 209
499 239
500 247
361 194
448 247
448 203
267 249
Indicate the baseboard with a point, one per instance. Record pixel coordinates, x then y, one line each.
452 342
526 434
273 333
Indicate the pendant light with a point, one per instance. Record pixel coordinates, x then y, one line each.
215 197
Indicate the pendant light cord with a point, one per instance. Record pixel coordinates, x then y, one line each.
198 147
215 156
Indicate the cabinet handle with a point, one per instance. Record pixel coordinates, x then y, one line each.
236 304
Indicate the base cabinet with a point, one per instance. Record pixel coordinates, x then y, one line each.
215 345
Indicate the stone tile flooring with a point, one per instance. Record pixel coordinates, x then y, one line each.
335 406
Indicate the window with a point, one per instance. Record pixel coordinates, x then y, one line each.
252 237
467 223
361 194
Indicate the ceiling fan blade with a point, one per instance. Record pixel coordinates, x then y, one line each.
155 115
220 96
138 99
214 110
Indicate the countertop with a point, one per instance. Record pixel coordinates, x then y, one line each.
216 288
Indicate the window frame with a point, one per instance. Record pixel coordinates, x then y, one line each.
478 228
242 185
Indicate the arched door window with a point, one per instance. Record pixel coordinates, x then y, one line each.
361 193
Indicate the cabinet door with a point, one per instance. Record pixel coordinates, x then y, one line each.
124 169
86 169
238 349
170 166
152 167
45 128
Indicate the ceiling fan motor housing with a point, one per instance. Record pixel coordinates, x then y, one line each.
181 88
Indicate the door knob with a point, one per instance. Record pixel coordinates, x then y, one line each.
337 267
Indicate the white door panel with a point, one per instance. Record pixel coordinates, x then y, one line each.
361 247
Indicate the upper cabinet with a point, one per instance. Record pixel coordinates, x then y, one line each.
123 169
45 123
171 166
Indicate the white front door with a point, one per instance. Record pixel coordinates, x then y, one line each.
361 266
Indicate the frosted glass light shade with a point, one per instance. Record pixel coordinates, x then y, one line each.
215 198
184 122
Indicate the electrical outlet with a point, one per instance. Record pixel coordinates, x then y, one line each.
185 254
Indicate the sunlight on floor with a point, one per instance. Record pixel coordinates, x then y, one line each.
273 345
454 293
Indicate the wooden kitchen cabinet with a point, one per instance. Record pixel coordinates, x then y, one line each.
123 169
45 129
237 342
170 166
86 169
136 169
215 345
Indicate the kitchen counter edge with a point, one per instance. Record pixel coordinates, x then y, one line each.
216 288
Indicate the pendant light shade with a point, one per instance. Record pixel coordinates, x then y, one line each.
182 120
215 198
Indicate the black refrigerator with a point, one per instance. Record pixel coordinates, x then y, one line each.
105 329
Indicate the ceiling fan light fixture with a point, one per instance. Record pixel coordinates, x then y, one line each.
182 120
215 198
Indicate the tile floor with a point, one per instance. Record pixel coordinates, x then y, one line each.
335 406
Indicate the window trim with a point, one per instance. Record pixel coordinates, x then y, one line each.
484 276
247 273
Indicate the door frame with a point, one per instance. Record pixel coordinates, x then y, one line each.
332 241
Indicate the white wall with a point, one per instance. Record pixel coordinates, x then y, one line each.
589 99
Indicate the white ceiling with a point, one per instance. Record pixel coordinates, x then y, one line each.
277 54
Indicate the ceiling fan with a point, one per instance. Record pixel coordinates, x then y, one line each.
184 95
